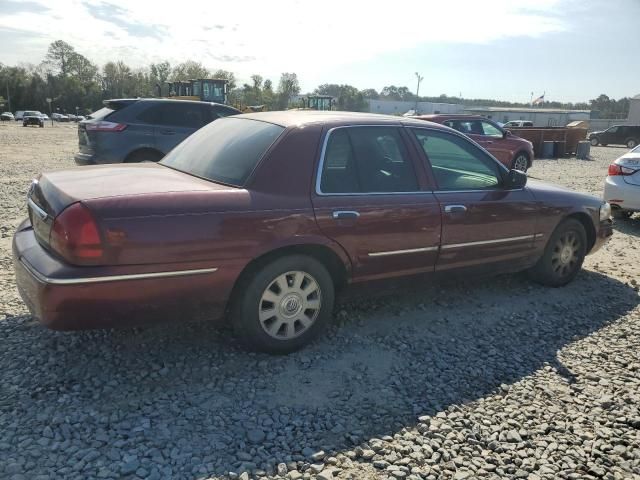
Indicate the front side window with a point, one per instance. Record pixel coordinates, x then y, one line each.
456 163
491 130
613 130
367 160
224 151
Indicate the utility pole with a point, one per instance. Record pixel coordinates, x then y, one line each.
420 78
8 97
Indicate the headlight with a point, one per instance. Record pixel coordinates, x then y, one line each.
605 212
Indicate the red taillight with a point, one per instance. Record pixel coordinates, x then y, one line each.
75 235
615 169
104 126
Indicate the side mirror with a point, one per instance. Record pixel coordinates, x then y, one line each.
515 179
506 133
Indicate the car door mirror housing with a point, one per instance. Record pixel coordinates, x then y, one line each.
515 179
506 133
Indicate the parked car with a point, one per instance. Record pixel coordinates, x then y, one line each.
622 186
518 123
266 215
72 117
6 116
59 117
32 117
18 115
136 130
44 116
628 135
513 151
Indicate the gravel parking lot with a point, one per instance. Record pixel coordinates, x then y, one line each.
495 378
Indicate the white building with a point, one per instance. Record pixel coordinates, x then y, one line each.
541 117
634 111
393 107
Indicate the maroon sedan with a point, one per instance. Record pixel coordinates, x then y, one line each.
264 216
513 151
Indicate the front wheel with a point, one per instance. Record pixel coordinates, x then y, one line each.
521 162
631 143
563 255
594 142
284 305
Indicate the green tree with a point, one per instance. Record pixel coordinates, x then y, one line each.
370 93
347 97
287 87
189 70
59 57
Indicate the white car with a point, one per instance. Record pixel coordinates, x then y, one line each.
622 186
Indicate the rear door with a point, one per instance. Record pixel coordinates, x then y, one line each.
174 121
482 222
369 199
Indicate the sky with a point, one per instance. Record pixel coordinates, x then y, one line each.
572 50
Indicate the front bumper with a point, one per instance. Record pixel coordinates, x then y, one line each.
64 297
603 234
84 159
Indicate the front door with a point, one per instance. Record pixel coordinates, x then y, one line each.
369 200
482 222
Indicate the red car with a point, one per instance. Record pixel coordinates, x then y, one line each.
266 215
513 151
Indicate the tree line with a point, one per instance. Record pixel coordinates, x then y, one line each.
73 83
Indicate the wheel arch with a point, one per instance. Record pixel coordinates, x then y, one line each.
143 149
337 263
587 222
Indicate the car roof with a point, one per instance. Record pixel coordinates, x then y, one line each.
299 118
162 100
451 116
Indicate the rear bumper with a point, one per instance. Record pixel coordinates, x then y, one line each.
622 194
84 159
64 297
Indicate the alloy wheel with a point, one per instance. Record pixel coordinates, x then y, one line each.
631 144
521 163
594 142
565 254
290 305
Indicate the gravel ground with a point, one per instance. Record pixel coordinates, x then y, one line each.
496 378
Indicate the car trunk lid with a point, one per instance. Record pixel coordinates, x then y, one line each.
52 192
631 161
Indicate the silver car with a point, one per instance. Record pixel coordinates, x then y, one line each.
622 186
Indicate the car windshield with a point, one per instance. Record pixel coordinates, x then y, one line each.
31 113
225 151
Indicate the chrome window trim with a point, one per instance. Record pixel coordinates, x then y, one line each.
112 278
489 242
37 210
402 252
319 191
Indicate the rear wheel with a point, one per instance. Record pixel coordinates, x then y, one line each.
521 162
620 214
283 305
563 255
144 156
594 142
631 143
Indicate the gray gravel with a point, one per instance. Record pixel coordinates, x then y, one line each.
496 378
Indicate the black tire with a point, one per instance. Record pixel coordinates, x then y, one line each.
550 270
620 214
144 156
249 300
631 143
42 125
594 141
518 160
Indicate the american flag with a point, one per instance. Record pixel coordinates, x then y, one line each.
538 100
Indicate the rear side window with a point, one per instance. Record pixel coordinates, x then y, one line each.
221 112
189 115
225 151
367 160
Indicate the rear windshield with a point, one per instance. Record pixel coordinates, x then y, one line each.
100 114
224 151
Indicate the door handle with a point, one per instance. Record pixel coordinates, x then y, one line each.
488 142
344 214
455 209
167 132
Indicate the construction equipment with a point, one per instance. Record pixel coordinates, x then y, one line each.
317 102
203 89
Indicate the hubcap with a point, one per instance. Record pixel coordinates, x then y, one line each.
594 141
521 163
631 144
289 305
565 254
